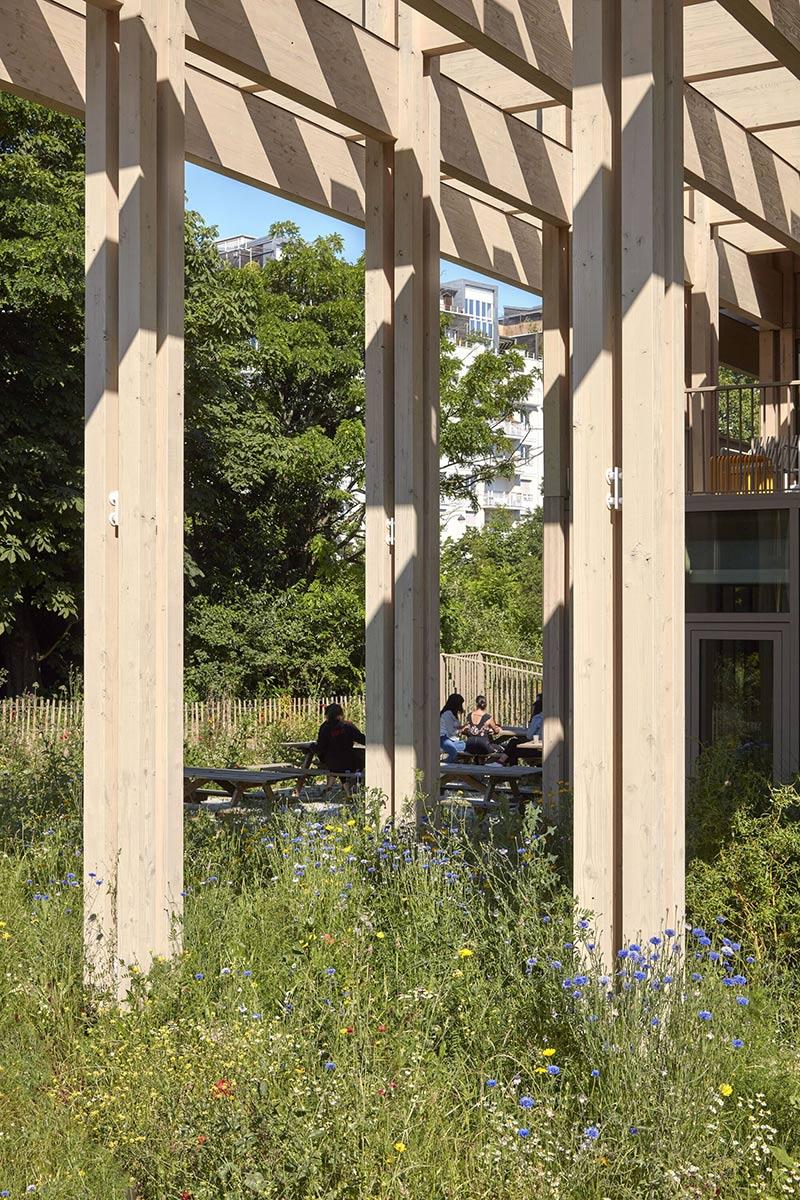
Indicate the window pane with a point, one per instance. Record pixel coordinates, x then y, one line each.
736 695
737 561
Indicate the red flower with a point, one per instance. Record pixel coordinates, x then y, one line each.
381 1029
328 939
222 1088
185 1196
201 1139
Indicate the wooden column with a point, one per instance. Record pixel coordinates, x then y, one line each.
416 376
704 341
134 583
653 541
380 17
595 320
101 543
557 450
628 413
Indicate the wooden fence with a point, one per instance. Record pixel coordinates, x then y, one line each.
27 717
509 684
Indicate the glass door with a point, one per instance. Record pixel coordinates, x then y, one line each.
736 693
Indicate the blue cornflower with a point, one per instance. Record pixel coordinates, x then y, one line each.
728 981
523 1133
704 1014
698 932
552 1069
739 980
604 980
655 1022
622 953
705 941
330 970
591 1132
569 945
713 956
667 979
750 959
330 1066
566 985
583 924
595 1073
635 948
255 1016
530 964
743 1001
556 965
545 919
640 975
633 1130
590 946
247 974
491 1083
526 1101
5 1192
580 980
669 933
199 975
721 920
655 941
737 1043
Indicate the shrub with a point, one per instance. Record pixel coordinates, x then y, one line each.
754 880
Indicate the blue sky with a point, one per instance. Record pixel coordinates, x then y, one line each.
236 207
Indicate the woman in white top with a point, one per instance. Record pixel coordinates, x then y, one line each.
450 727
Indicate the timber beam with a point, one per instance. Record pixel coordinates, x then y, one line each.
727 163
773 23
530 38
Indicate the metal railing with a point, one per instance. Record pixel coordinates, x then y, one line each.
743 439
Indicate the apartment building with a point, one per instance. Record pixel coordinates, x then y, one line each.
475 322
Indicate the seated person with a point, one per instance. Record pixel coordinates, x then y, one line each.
532 734
336 740
450 727
481 729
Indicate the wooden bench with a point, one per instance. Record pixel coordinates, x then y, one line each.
486 779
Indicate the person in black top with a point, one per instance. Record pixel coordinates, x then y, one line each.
336 740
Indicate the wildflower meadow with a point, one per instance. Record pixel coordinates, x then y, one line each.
362 1013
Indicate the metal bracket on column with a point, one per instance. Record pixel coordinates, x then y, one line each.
614 481
113 516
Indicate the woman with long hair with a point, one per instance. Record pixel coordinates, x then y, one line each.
450 727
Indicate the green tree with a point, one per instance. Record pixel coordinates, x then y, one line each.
41 380
492 588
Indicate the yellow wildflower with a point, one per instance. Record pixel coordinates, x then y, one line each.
380 935
465 952
400 1147
725 1089
548 1052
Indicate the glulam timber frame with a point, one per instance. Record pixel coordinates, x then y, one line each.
605 153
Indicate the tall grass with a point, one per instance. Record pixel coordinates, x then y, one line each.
358 1015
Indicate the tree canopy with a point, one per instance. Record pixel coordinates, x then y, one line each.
274 503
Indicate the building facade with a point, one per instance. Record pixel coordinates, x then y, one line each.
474 322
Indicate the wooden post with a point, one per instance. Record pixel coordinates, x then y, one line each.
595 318
628 367
557 445
149 879
704 342
380 17
101 544
416 369
653 545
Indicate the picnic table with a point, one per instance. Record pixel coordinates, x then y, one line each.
237 781
486 778
309 750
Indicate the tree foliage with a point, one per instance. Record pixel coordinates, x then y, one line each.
41 380
492 588
274 507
